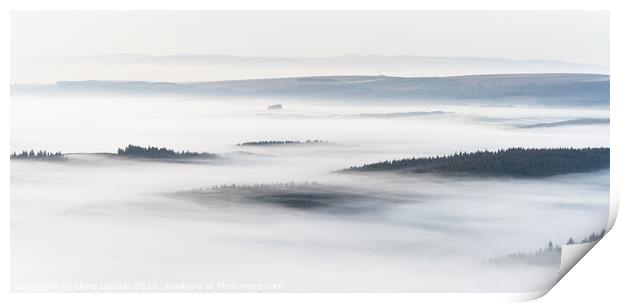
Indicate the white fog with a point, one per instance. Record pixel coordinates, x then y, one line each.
97 219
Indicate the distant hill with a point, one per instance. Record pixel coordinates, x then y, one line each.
399 64
537 89
585 121
514 162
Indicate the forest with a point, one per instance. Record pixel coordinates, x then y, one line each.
514 162
151 152
40 155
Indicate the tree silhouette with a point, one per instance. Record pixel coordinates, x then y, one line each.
516 162
39 155
134 151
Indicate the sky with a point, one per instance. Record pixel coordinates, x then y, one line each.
41 38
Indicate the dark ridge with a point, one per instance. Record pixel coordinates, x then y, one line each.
276 142
134 151
531 89
318 79
40 155
585 121
514 162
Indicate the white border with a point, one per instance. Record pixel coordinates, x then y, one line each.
583 284
312 5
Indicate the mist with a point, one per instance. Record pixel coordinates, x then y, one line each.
99 219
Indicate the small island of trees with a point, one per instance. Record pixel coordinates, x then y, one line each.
151 152
302 196
275 106
276 142
515 162
39 155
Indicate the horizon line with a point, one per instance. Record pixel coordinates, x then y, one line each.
310 76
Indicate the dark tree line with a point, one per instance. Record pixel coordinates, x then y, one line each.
550 254
591 238
151 152
276 142
516 162
39 155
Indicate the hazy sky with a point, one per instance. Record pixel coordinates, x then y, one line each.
581 37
